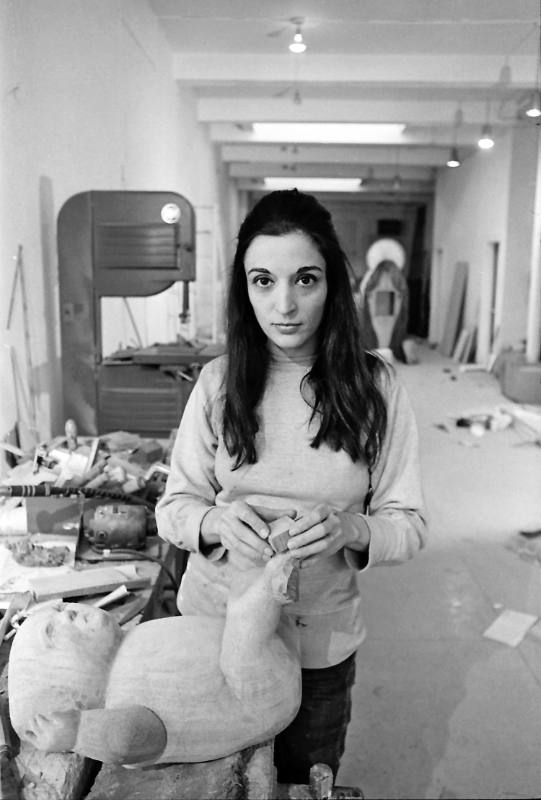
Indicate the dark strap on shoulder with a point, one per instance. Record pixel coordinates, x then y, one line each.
369 493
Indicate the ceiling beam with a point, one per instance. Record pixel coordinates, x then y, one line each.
421 70
283 109
334 154
380 192
465 136
250 169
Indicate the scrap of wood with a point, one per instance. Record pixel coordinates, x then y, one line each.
510 627
292 589
279 533
460 345
17 603
85 582
6 619
455 310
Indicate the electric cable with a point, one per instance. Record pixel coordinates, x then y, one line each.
137 554
46 490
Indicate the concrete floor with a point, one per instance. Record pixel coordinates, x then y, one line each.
439 710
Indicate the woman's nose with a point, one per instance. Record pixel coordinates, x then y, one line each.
285 300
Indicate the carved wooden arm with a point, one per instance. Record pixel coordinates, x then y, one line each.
127 735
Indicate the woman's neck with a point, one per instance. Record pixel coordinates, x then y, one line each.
279 356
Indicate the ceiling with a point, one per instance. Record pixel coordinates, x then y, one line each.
441 67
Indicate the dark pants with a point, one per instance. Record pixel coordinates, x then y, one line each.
318 732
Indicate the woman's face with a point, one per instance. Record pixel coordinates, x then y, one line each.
287 287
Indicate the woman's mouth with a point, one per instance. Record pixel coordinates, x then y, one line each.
286 327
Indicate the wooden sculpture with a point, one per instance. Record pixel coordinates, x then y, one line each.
384 307
179 689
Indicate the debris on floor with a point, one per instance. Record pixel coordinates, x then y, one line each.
525 420
510 627
495 419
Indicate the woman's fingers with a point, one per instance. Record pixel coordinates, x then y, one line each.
312 518
272 514
248 516
244 531
316 533
246 548
313 534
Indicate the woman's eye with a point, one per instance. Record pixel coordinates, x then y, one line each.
262 280
307 280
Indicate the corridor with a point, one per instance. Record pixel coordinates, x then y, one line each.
439 710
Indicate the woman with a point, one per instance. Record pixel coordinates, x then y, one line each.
296 419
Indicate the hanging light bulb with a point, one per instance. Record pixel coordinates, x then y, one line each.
297 45
453 160
534 110
486 142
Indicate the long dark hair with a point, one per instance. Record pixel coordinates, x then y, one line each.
344 378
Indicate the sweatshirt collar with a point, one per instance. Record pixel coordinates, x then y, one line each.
282 358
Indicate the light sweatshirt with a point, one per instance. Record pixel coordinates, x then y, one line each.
289 473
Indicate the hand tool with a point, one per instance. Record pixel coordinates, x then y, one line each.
8 787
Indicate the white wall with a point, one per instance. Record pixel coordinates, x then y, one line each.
520 223
88 103
470 213
489 198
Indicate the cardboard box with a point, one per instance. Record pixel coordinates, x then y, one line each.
521 381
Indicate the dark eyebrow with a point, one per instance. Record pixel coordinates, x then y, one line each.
309 269
300 271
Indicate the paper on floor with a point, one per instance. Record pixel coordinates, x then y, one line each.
510 627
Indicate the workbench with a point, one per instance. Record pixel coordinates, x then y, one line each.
32 775
249 774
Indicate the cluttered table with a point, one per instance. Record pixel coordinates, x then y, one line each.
77 525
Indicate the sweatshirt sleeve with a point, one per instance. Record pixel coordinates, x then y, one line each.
191 486
396 521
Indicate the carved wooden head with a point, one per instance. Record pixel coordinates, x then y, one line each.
60 660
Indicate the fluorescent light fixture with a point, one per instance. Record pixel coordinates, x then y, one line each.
314 184
328 132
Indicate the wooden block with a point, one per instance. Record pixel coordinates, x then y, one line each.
212 780
86 582
279 533
321 781
52 776
260 772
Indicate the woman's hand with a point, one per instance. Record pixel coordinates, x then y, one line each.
242 529
323 531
